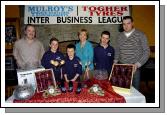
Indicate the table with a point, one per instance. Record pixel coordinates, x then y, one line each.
134 97
85 97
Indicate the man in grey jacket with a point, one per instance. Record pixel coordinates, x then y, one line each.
132 48
28 51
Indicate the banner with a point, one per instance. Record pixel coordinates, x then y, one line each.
42 14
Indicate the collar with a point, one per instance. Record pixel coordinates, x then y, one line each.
104 47
127 34
83 44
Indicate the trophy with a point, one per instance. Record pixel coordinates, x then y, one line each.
86 74
123 71
129 71
101 74
58 64
121 81
127 82
114 80
38 80
116 70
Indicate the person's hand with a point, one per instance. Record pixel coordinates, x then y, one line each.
62 62
55 63
87 69
52 61
67 81
115 61
73 80
136 66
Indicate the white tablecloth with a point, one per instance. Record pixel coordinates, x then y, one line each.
134 97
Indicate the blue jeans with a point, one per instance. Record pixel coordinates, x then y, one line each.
136 79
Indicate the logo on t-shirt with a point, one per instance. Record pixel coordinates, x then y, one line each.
109 54
75 65
58 58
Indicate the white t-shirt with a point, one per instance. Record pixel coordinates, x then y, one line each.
127 34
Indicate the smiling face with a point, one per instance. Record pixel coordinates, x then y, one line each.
54 46
127 25
104 39
30 32
70 52
83 36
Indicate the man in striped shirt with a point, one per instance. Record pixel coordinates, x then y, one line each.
132 48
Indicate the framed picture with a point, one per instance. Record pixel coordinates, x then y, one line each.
9 63
44 79
10 33
121 77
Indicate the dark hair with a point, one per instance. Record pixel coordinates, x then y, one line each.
53 39
26 26
128 17
70 46
29 25
106 33
83 30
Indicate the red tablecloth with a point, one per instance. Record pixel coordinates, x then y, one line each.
84 97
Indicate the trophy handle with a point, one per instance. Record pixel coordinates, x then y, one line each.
86 74
110 76
111 72
61 73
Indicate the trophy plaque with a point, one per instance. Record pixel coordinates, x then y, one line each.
44 79
121 77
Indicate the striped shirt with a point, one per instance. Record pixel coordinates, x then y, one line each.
132 49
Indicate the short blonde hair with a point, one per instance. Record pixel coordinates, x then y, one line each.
83 30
